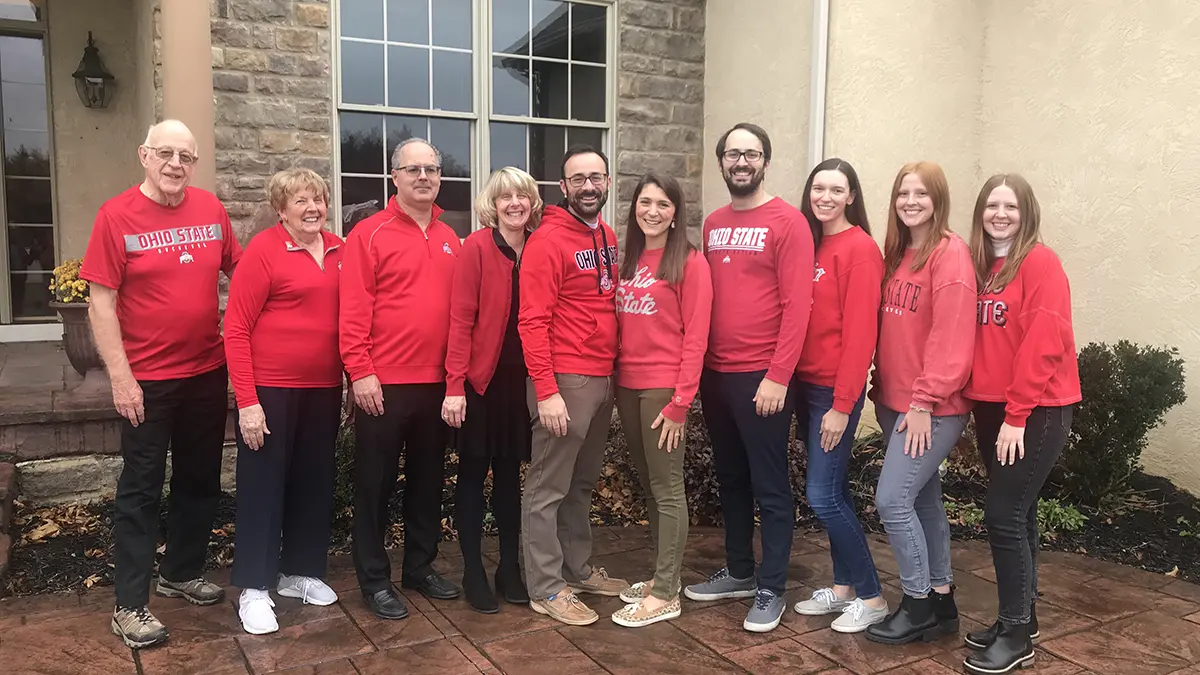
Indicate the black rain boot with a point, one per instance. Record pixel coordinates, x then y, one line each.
479 593
946 611
1012 649
982 639
913 620
510 585
506 504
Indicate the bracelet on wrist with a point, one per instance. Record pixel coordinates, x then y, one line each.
916 408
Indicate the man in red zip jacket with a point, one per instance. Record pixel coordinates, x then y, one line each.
394 321
568 327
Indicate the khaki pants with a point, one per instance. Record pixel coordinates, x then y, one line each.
661 476
556 530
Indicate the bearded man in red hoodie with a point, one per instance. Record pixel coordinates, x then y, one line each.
568 327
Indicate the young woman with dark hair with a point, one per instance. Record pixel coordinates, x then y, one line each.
664 303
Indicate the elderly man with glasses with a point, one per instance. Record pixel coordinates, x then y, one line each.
394 320
153 262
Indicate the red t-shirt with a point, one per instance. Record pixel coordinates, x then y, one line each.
281 324
163 262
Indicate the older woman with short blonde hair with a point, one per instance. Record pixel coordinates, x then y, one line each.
485 353
281 342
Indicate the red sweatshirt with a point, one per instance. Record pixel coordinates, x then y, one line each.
927 332
1025 346
761 261
479 308
568 318
664 330
281 324
845 316
395 298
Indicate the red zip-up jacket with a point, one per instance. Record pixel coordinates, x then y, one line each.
479 307
1025 345
844 323
395 298
568 318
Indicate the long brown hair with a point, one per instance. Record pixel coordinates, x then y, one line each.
1028 235
898 237
677 248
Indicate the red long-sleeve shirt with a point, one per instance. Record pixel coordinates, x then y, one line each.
845 316
568 317
395 298
664 330
1025 344
281 323
761 261
479 308
927 332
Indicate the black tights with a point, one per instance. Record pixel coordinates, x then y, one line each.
506 506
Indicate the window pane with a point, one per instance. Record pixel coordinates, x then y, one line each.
361 198
407 21
546 148
508 145
510 26
510 86
30 249
362 143
453 140
455 198
452 23
26 153
28 201
408 77
588 99
551 194
592 137
550 28
452 81
25 106
362 19
401 128
31 295
549 89
589 33
22 59
362 72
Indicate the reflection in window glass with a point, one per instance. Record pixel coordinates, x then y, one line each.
508 146
30 249
401 128
510 26
361 19
362 72
24 106
455 198
23 59
361 198
585 136
407 21
546 148
551 194
453 140
510 86
452 23
589 33
550 28
550 89
408 77
31 296
28 201
452 81
362 143
588 99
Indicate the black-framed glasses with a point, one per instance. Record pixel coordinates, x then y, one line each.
414 170
579 179
166 154
734 155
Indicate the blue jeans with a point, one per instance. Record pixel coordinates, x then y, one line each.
828 490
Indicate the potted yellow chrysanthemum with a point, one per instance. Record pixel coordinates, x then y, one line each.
71 301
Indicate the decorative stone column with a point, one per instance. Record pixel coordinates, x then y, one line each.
187 87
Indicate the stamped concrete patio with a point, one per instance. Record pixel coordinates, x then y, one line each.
1096 618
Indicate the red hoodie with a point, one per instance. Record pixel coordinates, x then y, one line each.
1025 346
479 308
927 332
845 316
664 330
568 318
395 298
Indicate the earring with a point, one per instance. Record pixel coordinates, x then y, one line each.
672 224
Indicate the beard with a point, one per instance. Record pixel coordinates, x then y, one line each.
587 211
744 189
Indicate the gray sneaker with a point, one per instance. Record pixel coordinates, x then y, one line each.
721 586
823 601
196 591
766 612
137 627
857 617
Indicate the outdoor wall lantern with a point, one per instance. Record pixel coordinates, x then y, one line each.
93 82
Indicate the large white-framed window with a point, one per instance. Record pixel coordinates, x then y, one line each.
491 83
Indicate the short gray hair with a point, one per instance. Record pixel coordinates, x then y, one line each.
410 141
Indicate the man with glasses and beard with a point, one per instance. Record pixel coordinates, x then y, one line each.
568 327
760 250
394 323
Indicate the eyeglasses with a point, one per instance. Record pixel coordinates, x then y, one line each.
414 170
165 154
750 155
579 179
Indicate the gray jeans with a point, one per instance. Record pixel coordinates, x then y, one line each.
909 502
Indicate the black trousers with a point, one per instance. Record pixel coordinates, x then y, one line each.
187 416
285 488
412 422
1011 512
506 507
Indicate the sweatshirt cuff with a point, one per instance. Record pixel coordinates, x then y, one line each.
1016 418
359 372
923 402
545 388
844 405
780 376
455 386
675 413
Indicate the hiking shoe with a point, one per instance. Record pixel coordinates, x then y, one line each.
634 616
196 591
823 601
766 612
565 607
137 627
721 586
858 616
310 590
254 609
599 583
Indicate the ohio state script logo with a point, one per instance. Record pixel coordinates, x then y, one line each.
586 259
627 298
900 297
747 239
174 239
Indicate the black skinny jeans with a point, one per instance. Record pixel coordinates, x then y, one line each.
1011 513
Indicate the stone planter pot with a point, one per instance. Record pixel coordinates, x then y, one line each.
81 347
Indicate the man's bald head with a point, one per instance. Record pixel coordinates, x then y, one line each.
172 133
169 157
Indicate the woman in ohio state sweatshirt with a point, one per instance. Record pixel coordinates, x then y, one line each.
1026 381
922 363
664 306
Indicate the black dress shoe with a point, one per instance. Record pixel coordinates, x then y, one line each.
945 611
982 639
510 585
386 604
433 586
479 593
913 620
1012 649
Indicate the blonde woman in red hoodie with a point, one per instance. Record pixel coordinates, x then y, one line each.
922 363
1026 381
664 305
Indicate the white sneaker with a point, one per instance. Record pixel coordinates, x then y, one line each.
310 590
823 601
255 610
857 617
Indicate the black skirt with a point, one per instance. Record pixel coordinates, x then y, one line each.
498 423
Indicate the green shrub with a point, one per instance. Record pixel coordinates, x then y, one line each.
1055 517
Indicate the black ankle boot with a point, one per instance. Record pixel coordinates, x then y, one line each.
982 639
946 611
510 584
914 620
479 593
1012 649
